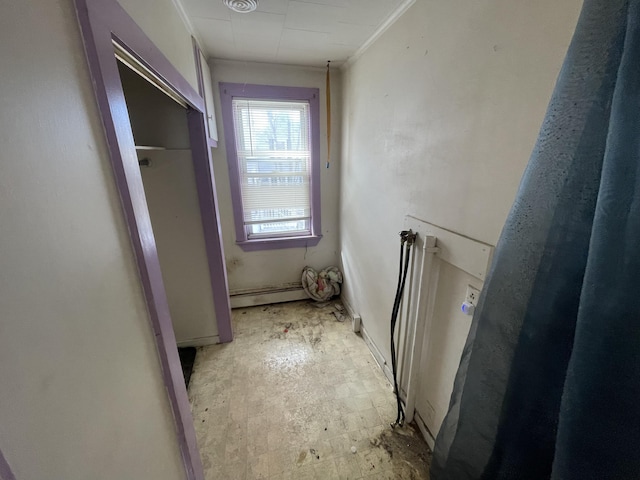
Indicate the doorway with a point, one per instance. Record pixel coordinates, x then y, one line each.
160 130
108 31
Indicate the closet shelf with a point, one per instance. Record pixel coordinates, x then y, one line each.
149 147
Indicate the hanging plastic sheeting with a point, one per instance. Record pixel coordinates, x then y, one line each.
549 382
321 286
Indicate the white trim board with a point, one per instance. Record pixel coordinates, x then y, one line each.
469 255
373 349
200 341
377 354
347 305
426 433
356 320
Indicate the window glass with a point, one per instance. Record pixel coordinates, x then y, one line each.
273 150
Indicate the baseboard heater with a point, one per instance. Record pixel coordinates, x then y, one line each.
250 297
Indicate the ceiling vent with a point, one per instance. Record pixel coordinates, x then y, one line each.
241 6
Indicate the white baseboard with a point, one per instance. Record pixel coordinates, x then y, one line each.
373 348
200 341
377 354
425 431
356 320
267 296
347 306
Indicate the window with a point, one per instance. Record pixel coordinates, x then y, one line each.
272 141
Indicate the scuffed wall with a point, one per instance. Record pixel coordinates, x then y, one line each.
82 394
440 116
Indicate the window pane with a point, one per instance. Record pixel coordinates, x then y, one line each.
296 227
274 156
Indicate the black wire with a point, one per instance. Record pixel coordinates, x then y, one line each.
402 277
404 280
394 316
400 417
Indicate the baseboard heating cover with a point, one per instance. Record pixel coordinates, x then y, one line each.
250 297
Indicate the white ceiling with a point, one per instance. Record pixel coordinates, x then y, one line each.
296 32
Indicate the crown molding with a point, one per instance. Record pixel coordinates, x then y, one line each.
384 26
182 13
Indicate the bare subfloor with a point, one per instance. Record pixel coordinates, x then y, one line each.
291 396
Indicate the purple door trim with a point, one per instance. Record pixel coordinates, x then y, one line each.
208 198
103 22
5 469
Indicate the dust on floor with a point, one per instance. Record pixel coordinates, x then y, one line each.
293 397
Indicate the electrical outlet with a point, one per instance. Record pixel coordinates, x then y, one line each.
473 294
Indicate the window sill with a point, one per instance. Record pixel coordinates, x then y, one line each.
277 243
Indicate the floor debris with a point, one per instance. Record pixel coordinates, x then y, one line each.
298 395
406 450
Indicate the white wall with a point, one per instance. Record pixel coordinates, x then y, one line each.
160 21
170 188
268 268
440 116
172 198
82 394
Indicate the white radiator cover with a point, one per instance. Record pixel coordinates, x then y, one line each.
435 249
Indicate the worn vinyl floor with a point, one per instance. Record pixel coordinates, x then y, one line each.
291 396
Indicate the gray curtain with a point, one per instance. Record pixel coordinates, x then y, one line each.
549 381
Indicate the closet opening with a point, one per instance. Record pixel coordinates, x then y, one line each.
160 130
113 40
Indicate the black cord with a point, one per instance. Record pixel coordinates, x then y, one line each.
394 317
406 241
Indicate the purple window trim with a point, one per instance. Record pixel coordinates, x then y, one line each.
103 22
281 242
5 469
271 92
